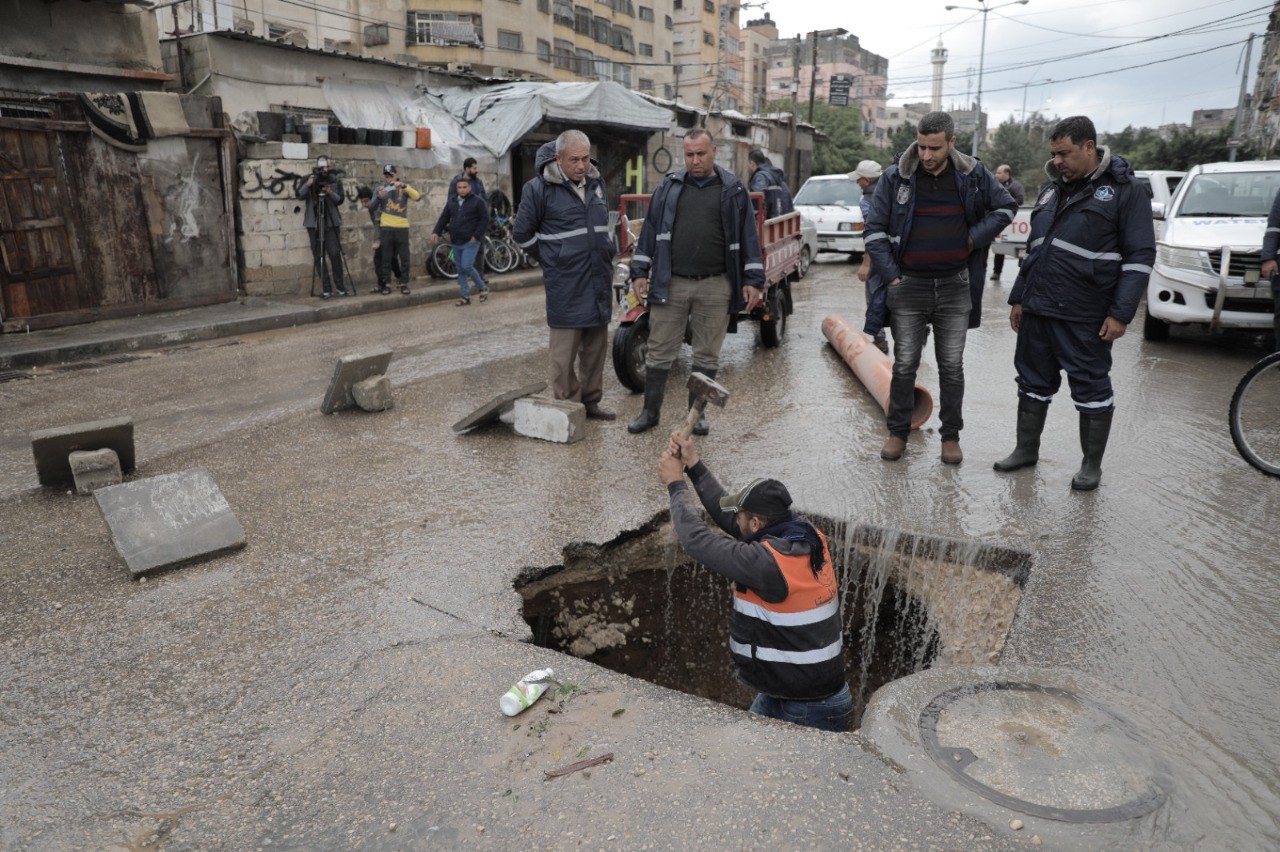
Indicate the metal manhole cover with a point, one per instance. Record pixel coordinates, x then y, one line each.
14 375
1042 751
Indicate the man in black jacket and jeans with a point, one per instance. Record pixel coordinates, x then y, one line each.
466 218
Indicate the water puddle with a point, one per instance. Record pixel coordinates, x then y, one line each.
639 606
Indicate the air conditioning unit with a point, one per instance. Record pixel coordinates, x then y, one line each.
244 25
506 73
459 67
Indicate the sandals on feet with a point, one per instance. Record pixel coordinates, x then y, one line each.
484 294
461 303
404 288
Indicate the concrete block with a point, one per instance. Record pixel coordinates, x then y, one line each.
496 407
252 259
166 521
254 241
550 419
53 447
94 469
294 150
349 370
297 239
277 207
373 393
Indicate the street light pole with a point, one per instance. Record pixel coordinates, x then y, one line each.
982 56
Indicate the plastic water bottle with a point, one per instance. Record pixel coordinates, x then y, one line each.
524 693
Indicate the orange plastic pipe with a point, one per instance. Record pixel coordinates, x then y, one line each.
872 367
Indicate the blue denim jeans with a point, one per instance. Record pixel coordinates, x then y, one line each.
825 714
915 304
465 256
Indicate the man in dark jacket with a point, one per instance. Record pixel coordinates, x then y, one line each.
1090 253
471 172
563 221
932 217
1004 174
466 218
785 629
698 262
323 220
866 176
769 179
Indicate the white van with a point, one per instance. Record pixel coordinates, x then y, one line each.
1219 211
1161 185
831 203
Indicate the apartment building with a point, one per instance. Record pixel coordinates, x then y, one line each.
627 41
708 58
757 36
844 74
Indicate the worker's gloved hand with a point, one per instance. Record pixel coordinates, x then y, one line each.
683 449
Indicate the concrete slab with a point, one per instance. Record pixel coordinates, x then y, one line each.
350 369
494 408
373 394
166 521
551 419
94 469
52 447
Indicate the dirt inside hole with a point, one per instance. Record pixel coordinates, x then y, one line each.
639 606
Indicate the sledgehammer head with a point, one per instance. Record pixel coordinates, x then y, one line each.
705 388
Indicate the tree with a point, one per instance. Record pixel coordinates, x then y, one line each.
1016 144
840 144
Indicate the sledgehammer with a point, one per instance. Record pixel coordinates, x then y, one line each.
704 389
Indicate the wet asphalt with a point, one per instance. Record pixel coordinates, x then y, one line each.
335 684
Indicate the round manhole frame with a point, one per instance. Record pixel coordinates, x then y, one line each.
955 760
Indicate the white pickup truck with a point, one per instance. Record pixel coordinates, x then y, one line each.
1012 241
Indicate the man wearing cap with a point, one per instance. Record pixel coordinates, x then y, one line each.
866 175
393 228
785 631
470 173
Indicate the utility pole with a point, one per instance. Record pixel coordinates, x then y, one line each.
813 74
793 156
1235 140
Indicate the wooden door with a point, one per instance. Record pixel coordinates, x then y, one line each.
37 249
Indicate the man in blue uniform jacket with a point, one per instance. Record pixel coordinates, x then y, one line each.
1089 256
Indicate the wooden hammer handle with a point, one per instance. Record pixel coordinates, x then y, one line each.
695 411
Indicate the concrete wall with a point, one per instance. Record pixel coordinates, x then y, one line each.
275 252
52 47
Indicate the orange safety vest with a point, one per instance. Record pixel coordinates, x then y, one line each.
792 649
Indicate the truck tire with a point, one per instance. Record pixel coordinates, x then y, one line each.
1154 329
774 329
630 346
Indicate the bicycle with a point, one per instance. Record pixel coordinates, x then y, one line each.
1254 415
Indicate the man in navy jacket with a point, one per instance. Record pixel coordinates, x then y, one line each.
1089 255
466 218
933 215
563 221
698 262
1270 250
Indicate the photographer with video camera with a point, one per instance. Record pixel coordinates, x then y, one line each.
322 190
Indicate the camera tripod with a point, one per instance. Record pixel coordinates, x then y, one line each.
324 230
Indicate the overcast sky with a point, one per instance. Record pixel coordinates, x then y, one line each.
1043 40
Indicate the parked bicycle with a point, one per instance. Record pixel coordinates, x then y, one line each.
1255 415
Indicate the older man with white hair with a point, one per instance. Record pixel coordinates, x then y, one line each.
563 221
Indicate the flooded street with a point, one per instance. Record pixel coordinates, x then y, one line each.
260 675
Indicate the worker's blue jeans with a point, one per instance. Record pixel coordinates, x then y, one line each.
825 714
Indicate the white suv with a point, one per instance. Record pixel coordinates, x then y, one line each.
830 202
1219 208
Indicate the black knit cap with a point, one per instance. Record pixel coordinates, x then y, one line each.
768 498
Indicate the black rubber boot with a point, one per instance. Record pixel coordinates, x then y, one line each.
701 427
1031 415
1094 429
655 386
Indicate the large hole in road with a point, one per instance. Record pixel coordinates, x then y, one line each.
638 605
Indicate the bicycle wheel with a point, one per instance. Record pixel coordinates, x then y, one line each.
1255 415
443 255
502 258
